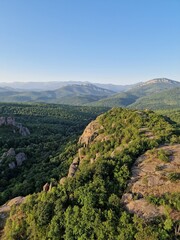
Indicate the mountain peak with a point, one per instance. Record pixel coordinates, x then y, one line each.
160 80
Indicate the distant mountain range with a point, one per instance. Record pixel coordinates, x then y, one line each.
154 94
70 94
46 86
137 93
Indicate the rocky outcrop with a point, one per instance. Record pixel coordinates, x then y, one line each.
10 121
10 153
7 121
90 133
73 168
5 210
150 177
12 165
19 158
47 187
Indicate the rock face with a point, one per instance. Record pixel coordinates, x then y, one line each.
150 177
10 121
90 133
5 210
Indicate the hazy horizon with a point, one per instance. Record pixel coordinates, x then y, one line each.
93 82
117 42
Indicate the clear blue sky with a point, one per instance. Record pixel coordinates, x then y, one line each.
110 41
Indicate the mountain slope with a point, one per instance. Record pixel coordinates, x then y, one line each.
118 100
88 202
144 89
65 95
154 86
167 99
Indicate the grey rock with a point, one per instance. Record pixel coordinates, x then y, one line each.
72 170
11 153
2 121
12 165
20 158
10 121
24 131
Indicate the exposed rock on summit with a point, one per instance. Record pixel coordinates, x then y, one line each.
150 177
90 133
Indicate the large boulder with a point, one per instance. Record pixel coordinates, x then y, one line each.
20 158
24 131
11 153
72 169
2 121
12 165
10 121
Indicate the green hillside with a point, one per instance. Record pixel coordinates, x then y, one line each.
118 100
154 86
145 95
71 94
52 128
167 99
89 94
89 205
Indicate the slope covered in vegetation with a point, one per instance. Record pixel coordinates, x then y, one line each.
75 94
154 94
53 128
89 204
164 100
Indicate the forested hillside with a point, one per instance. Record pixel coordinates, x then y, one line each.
164 100
53 130
158 93
88 203
76 94
154 94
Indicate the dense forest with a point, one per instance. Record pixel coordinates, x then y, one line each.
89 205
53 130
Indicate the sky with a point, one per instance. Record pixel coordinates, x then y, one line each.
105 41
